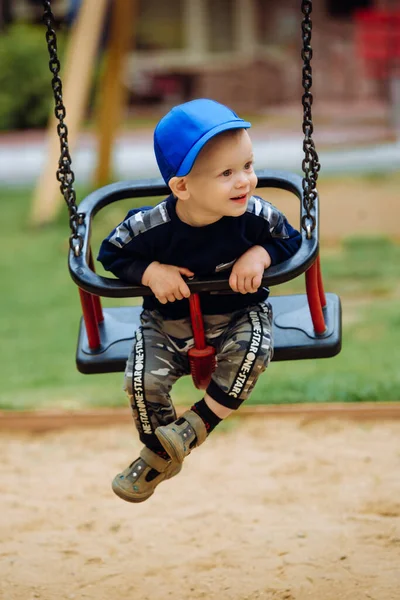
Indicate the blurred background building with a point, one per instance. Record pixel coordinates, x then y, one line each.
241 52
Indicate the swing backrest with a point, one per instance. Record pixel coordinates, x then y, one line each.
85 277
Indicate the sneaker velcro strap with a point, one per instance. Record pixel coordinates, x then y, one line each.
198 425
154 461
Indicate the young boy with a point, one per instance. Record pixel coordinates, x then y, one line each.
209 223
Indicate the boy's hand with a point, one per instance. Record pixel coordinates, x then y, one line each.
166 282
249 269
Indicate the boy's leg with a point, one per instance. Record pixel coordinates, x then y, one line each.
244 351
152 368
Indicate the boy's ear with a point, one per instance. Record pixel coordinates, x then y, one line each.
179 187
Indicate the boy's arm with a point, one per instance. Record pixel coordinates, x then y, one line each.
275 241
123 262
281 241
132 258
270 229
124 254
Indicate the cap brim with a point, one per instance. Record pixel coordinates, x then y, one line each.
189 159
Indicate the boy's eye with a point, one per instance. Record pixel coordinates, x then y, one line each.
248 165
227 173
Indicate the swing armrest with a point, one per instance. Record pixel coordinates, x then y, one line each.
84 276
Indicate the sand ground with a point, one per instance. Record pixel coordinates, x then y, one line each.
278 508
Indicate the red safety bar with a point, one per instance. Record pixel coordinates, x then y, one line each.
92 313
316 297
90 318
96 299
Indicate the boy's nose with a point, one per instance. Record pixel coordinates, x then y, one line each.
241 181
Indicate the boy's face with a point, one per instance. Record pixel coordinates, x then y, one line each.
222 179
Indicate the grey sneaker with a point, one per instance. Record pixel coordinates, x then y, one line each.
179 437
136 483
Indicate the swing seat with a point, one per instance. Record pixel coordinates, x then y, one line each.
293 326
293 332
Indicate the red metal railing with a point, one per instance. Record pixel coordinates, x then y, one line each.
92 313
316 297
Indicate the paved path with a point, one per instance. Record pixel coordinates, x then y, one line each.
22 155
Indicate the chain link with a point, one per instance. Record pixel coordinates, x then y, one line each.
65 174
310 164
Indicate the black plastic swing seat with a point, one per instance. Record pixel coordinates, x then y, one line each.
294 337
293 329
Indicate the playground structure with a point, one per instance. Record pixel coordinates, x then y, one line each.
378 42
378 47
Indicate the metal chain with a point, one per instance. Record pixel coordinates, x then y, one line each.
66 177
310 164
65 174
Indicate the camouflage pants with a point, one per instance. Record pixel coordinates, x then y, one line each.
244 348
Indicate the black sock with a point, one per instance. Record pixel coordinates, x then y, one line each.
154 444
205 413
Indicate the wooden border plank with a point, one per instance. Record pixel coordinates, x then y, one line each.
47 420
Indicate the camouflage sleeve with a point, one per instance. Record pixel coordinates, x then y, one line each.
125 253
274 232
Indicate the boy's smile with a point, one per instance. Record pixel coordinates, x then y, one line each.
221 182
240 199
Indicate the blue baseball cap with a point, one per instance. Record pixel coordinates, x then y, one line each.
182 133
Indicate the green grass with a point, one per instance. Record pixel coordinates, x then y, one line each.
40 311
367 266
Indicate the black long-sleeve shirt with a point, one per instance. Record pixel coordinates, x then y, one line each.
156 233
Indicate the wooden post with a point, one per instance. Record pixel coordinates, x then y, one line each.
195 28
245 27
81 54
113 93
